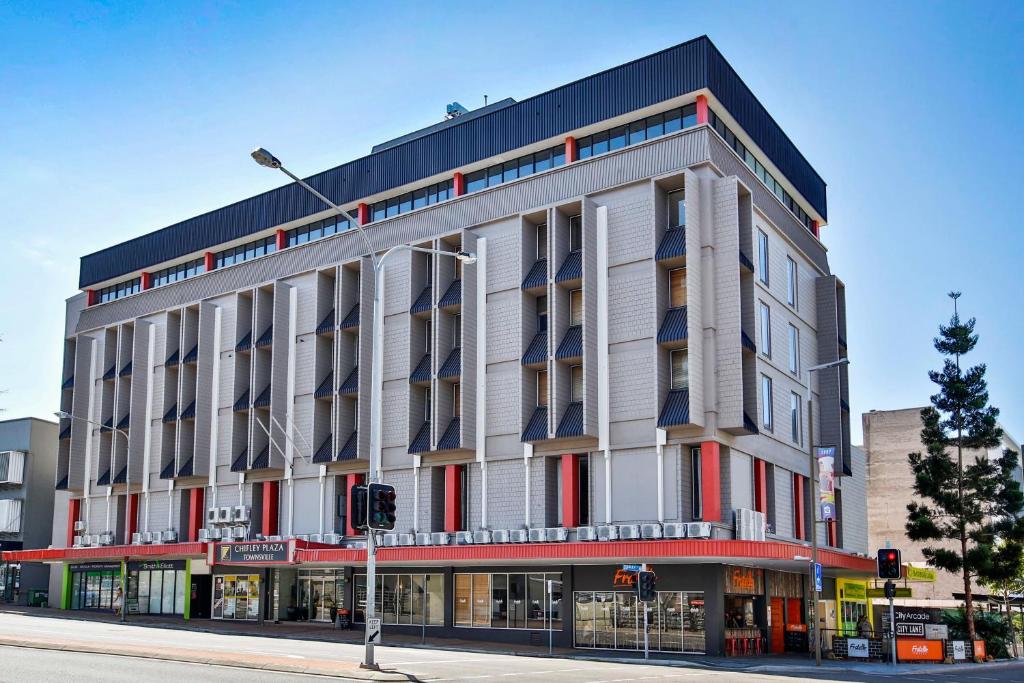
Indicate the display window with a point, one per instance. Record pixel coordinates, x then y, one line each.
157 587
508 601
320 593
414 599
236 597
613 620
93 587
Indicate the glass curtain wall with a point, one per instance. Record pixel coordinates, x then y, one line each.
157 591
508 601
413 599
614 621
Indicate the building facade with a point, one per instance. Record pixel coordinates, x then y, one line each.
619 377
889 437
28 456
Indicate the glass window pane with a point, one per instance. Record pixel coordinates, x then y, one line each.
499 601
494 176
583 615
510 171
419 198
669 610
655 126
693 622
388 605
179 592
542 160
554 586
405 202
617 138
517 601
380 211
536 616
525 165
689 115
676 209
143 592
156 584
405 599
476 181
481 600
628 619
435 599
392 207
359 612
604 620
419 597
463 599
167 601
637 132
558 156
584 147
600 143
673 121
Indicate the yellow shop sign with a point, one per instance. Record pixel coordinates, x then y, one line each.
920 574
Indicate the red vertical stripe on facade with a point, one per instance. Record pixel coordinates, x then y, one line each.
270 492
279 239
710 482
830 532
816 229
702 109
146 280
363 214
760 485
133 517
799 515
453 498
195 513
459 184
74 510
90 297
570 491
571 150
350 481
208 261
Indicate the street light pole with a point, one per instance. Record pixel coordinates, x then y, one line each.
265 158
64 415
813 487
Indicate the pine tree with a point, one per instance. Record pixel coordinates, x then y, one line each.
970 511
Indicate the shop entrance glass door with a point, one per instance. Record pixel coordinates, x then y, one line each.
318 598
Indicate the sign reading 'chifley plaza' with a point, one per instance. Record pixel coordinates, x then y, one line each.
257 552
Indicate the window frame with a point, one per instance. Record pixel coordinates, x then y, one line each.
792 283
765 325
796 418
671 290
767 403
575 295
575 397
794 350
672 355
763 254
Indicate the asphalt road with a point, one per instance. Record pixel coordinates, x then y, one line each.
425 665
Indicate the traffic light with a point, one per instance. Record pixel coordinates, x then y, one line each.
890 590
889 563
382 507
358 506
645 587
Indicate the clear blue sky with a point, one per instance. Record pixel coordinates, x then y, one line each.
118 119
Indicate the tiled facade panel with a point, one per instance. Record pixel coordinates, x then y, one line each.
684 475
306 503
503 403
672 485
631 383
701 354
541 484
784 503
503 254
504 316
723 195
854 515
630 216
404 482
634 474
631 312
474 482
741 481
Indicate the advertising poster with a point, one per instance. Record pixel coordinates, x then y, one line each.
826 482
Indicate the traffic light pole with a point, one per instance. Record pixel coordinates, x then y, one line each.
892 624
643 568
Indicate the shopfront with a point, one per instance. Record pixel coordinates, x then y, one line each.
94 586
319 594
852 603
745 612
787 626
236 597
158 587
403 598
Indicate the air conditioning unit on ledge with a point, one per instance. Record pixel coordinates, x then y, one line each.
238 533
107 538
556 533
423 539
538 535
440 538
390 540
406 539
169 536
464 538
698 529
607 532
517 536
136 538
586 533
650 530
204 535
673 530
212 515
275 538
224 515
499 536
241 514
332 539
316 538
750 525
482 536
77 542
629 532
80 525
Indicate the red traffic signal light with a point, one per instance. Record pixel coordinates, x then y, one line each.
382 507
889 565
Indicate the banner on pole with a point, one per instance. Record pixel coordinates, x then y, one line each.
826 482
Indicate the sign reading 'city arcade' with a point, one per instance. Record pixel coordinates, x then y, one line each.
254 552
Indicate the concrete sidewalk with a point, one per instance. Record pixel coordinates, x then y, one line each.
318 633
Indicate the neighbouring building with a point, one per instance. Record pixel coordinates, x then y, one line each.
28 456
889 437
619 377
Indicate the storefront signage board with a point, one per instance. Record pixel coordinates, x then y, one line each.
156 565
254 552
936 631
880 593
854 591
744 581
919 650
826 482
920 574
857 647
817 577
960 649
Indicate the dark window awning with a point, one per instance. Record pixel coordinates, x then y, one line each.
673 327
351 383
452 296
538 275
421 442
243 402
452 437
348 451
323 454
122 476
327 324
351 320
422 303
326 387
676 409
537 427
571 345
168 471
571 423
673 245
571 268
747 342
126 371
261 461
263 400
192 356
104 479
266 338
190 412
537 351
452 366
244 345
422 371
187 469
239 465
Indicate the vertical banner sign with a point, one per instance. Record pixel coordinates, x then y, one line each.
826 482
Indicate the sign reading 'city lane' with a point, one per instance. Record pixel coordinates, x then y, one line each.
255 552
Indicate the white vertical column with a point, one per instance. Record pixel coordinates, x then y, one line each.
86 488
661 438
481 372
527 457
215 402
147 442
289 415
603 400
416 462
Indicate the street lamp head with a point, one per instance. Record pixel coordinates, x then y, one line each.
62 415
466 257
265 158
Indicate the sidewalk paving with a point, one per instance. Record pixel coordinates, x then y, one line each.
302 631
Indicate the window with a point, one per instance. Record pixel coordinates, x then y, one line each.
583 486
427 404
542 241
457 402
120 290
542 388
766 330
795 414
697 507
244 252
428 334
637 131
791 282
576 376
677 287
457 330
576 307
575 233
508 601
676 209
680 361
762 256
403 599
794 350
766 402
516 168
542 313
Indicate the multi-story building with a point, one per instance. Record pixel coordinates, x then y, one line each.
890 436
619 377
28 456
